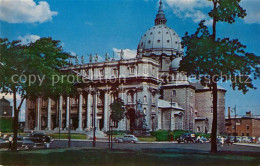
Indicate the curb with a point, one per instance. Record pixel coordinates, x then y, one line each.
250 145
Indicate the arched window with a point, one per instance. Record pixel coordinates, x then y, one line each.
145 99
130 97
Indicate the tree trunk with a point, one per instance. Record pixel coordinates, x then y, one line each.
215 95
215 119
15 121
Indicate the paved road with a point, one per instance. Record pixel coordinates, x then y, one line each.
137 146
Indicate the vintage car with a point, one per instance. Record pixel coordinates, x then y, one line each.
127 138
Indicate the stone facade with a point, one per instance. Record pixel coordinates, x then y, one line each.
168 100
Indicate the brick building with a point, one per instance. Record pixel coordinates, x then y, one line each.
246 125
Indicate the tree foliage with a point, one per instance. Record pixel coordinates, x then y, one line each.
41 62
224 59
214 59
118 110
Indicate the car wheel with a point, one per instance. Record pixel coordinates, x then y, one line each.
117 141
132 142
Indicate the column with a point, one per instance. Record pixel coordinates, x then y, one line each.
80 112
89 109
68 112
38 114
60 112
159 113
106 110
49 115
172 121
26 127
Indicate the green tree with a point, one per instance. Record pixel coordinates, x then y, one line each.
118 110
42 62
213 59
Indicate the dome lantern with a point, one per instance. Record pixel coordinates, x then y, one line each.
160 17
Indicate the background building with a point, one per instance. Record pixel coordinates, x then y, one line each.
150 81
245 125
5 108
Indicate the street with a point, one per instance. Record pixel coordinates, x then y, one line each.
157 145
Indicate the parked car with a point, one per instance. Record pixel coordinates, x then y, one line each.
127 138
187 137
229 140
39 137
30 144
246 140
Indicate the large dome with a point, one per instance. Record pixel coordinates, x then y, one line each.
160 38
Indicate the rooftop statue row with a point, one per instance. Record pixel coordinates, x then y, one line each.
94 58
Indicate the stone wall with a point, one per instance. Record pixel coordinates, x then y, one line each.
204 108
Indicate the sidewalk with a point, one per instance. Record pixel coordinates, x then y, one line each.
90 140
248 144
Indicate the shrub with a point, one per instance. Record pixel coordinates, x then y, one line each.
6 124
164 135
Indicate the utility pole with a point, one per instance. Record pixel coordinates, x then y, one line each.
235 123
69 124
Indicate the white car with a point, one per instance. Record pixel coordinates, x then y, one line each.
126 138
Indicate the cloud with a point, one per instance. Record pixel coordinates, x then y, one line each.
253 12
25 11
88 23
128 53
191 9
73 53
28 39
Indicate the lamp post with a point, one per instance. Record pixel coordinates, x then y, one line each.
235 111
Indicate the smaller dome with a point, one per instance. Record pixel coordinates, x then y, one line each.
175 63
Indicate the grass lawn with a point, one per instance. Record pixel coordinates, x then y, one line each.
147 139
122 158
65 136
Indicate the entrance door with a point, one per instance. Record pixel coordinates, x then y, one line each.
131 116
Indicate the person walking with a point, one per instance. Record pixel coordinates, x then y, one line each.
10 141
222 140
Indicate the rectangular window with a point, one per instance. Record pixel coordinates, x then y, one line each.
132 70
247 127
173 93
153 71
242 134
247 134
101 72
211 110
115 72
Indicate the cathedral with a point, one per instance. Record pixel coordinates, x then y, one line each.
149 84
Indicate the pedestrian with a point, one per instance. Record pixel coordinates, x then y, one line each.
222 141
10 141
198 139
